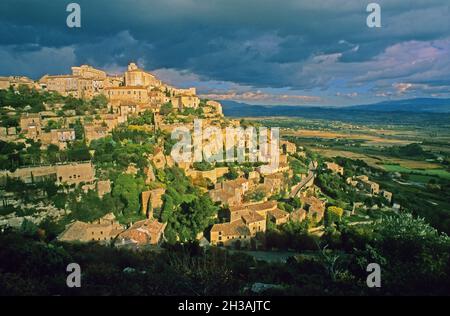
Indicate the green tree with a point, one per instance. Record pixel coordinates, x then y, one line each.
53 154
99 101
28 228
334 214
193 217
166 108
168 207
78 151
52 124
128 189
79 129
232 173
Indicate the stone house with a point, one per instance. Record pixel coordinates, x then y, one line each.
298 215
212 175
225 197
278 216
387 195
314 207
335 168
227 234
16 81
72 173
31 125
94 132
103 230
255 222
142 233
288 147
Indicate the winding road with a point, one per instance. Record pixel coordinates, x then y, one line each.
307 181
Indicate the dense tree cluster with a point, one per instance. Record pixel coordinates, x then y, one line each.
146 118
15 155
187 211
120 154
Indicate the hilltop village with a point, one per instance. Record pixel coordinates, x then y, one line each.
86 157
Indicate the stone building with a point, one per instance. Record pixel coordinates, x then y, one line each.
59 137
94 132
255 222
370 186
230 192
129 94
72 173
31 125
228 233
240 184
263 208
211 175
84 82
226 197
16 82
110 121
185 101
136 77
298 215
216 107
335 168
387 195
288 147
245 221
177 91
157 97
75 173
275 182
278 216
103 230
142 233
314 207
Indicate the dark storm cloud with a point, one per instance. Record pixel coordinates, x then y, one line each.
259 43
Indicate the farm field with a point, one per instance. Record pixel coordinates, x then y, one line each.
388 163
425 172
372 144
369 139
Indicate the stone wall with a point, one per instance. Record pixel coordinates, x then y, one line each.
73 173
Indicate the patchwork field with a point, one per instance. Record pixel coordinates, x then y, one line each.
390 164
378 140
372 143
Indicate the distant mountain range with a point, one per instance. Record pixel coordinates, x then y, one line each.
420 105
402 111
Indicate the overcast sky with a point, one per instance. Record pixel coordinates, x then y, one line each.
317 52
